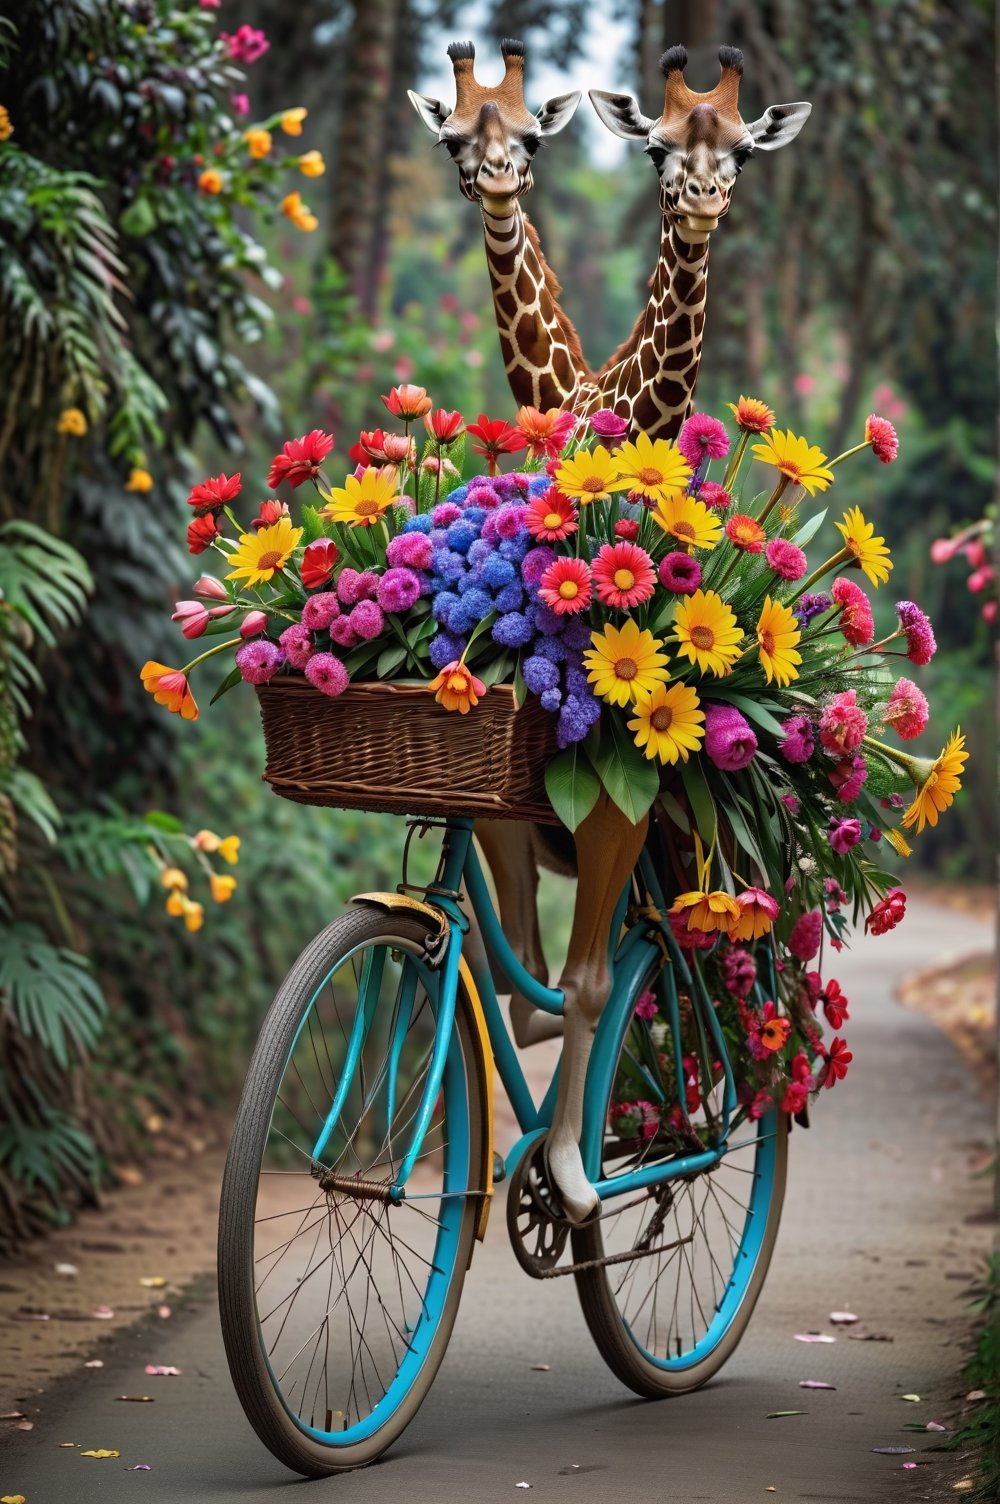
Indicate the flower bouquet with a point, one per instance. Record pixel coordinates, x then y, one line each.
657 631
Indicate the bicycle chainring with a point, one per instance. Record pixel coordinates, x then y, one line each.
537 1229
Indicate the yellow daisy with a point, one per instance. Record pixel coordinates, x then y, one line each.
707 632
624 663
590 475
942 782
361 503
803 463
689 521
259 555
870 553
669 722
898 842
709 911
654 468
777 635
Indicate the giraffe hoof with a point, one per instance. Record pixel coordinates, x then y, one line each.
578 1202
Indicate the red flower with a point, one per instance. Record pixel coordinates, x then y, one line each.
834 1005
887 914
216 492
270 511
300 459
444 426
746 532
881 435
838 1058
201 533
497 438
551 517
565 586
317 563
626 529
385 448
408 402
623 574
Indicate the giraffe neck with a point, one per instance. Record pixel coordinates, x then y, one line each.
541 350
650 380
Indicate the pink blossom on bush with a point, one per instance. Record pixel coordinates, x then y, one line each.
804 940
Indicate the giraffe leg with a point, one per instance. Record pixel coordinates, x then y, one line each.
508 850
607 847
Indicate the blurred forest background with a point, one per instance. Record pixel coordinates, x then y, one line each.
194 332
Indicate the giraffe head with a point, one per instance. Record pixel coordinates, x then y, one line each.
701 142
491 134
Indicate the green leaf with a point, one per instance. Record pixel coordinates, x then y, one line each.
390 659
138 219
169 824
742 834
520 688
632 781
51 992
754 710
231 680
808 532
675 812
701 801
313 523
572 786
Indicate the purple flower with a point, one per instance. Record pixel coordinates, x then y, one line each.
353 587
680 573
702 436
367 620
799 741
445 514
551 699
506 522
844 834
810 605
786 559
576 717
259 660
536 562
607 424
920 642
510 598
445 648
513 630
409 550
327 674
729 741
320 610
297 644
539 674
397 590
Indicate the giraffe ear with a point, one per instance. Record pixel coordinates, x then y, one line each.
557 112
431 111
779 124
621 114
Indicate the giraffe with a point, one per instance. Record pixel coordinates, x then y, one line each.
698 146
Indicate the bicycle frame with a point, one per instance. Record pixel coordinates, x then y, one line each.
646 946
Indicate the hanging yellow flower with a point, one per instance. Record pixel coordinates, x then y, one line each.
870 553
229 850
73 421
942 781
223 887
624 662
299 213
139 480
361 503
669 723
654 468
777 634
710 912
6 125
259 143
311 164
707 632
590 475
291 121
174 878
210 181
260 555
804 464
688 520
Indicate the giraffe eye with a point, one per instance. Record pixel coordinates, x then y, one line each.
531 144
657 155
453 145
741 155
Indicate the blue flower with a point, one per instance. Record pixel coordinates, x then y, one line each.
510 598
539 674
443 604
448 565
480 551
445 648
551 699
421 523
461 536
513 630
498 572
552 648
471 608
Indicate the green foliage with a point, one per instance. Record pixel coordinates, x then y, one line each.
51 992
54 1153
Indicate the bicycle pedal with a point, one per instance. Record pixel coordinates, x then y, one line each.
499 1168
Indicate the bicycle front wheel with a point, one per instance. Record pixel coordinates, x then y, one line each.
692 1252
337 1304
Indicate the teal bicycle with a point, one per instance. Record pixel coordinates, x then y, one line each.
361 1169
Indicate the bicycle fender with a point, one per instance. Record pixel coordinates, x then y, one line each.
480 1034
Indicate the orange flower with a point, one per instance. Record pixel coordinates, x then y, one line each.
746 532
546 432
408 401
774 1033
709 911
752 415
258 142
457 688
210 181
169 687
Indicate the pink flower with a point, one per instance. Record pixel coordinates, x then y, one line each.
844 834
787 561
259 661
320 610
241 104
944 549
398 590
317 563
739 971
799 741
856 621
409 550
848 777
842 724
270 513
791 803
193 617
445 513
536 561
367 621
888 913
804 940
626 529
247 45
762 1102
253 624
908 710
565 586
608 425
300 459
646 1006
210 589
701 437
623 575
714 495
796 1096
353 587
729 741
680 573
327 674
800 1064
881 435
920 643
297 644
689 939
980 578
342 633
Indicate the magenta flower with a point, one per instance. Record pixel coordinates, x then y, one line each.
842 724
343 634
881 435
320 610
193 617
445 514
908 710
536 562
785 559
702 437
397 590
327 674
920 643
848 778
856 621
367 620
253 624
608 425
241 104
799 741
729 741
246 45
680 573
739 971
646 1006
714 495
297 644
409 551
844 834
804 940
353 587
259 661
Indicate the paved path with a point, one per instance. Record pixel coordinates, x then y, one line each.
875 1222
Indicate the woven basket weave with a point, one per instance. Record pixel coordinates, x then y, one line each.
391 747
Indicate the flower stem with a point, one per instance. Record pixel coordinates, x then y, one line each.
817 574
733 468
231 642
774 498
848 452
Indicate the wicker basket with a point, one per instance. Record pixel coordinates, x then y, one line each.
391 747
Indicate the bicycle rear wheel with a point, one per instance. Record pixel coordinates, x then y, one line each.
668 1320
337 1304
